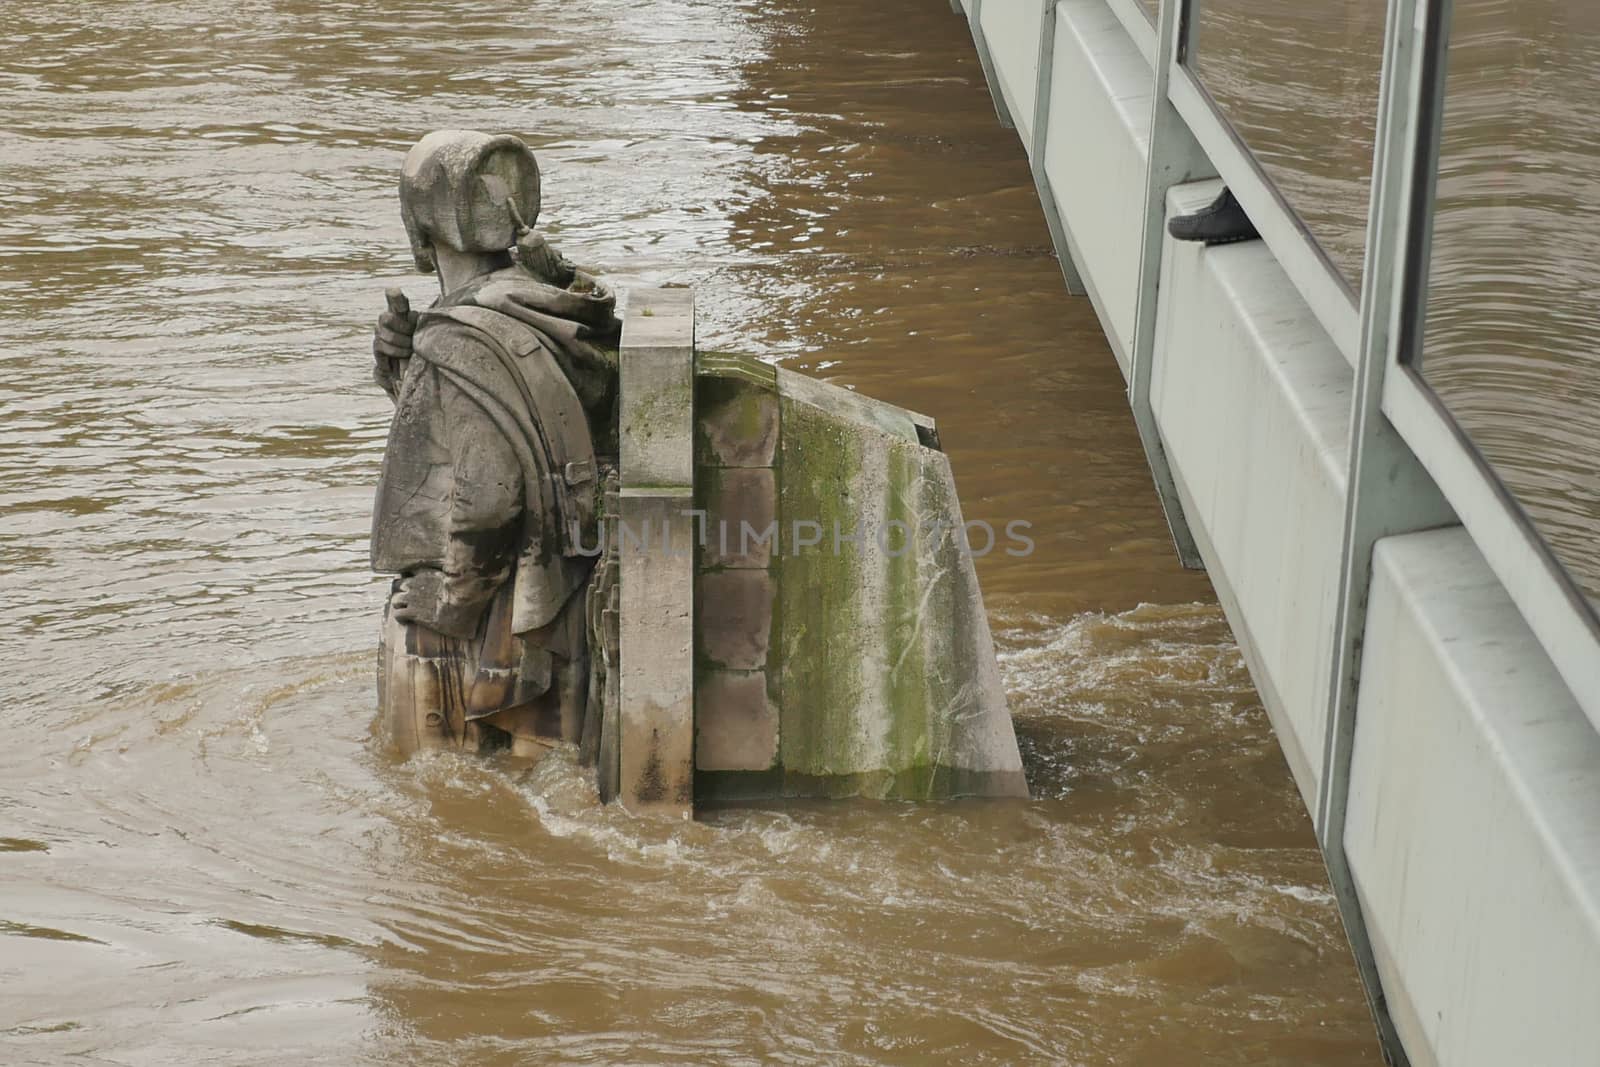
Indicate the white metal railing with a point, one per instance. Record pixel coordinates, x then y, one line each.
1136 21
1551 603
1411 465
1321 285
1418 37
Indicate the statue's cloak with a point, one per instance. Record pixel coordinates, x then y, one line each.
532 362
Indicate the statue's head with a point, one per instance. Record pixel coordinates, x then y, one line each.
457 189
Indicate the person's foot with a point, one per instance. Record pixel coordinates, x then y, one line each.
1221 222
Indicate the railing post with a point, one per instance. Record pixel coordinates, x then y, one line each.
1387 491
1175 158
1059 237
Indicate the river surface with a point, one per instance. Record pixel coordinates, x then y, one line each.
204 855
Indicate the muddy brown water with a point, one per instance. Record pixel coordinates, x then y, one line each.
204 857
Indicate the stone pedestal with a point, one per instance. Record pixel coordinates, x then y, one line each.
800 613
843 647
656 533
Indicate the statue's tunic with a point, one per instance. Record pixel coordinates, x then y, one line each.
486 505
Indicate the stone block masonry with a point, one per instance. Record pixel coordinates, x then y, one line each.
847 652
800 616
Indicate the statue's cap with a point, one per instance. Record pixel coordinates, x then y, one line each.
457 189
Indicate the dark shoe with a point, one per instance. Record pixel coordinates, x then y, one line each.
1222 222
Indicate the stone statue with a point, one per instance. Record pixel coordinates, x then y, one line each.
504 426
536 438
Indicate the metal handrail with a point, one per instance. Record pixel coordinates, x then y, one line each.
1410 464
1313 274
1544 592
1136 21
1539 584
1555 608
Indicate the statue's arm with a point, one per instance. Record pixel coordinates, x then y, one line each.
486 503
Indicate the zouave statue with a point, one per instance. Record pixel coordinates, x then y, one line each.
686 671
504 429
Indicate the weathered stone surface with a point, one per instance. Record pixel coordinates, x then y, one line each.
849 406
657 638
712 365
600 745
735 618
736 722
829 660
741 504
657 560
880 668
737 426
489 474
657 398
891 648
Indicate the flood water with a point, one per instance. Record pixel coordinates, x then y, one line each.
204 855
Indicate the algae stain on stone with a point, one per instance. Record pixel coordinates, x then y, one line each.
905 688
822 622
880 665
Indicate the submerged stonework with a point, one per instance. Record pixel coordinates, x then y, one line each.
847 652
782 606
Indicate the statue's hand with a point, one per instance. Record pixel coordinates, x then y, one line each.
391 340
423 599
541 259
